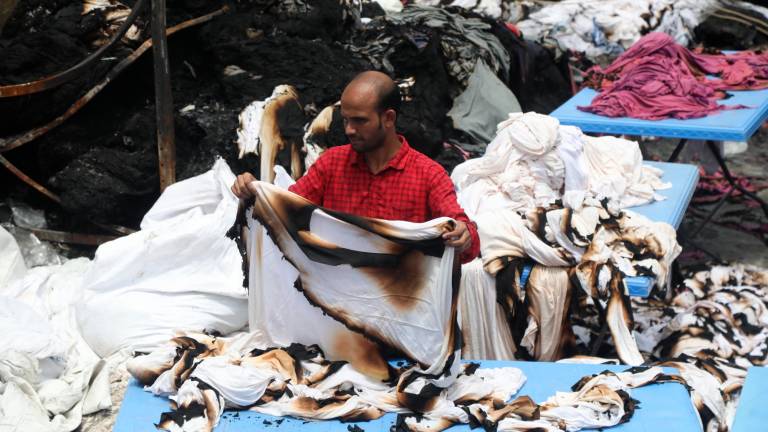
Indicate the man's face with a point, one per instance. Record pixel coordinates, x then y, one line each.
364 125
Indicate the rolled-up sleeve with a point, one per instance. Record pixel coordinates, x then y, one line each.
443 202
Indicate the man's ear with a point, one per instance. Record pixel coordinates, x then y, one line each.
390 116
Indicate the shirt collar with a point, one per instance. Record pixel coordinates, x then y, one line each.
397 162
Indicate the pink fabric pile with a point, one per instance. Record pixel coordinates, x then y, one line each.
657 79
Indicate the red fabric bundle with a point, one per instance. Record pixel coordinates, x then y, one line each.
657 79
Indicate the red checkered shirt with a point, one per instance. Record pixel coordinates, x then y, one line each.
412 187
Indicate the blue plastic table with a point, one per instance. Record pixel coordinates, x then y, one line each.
662 406
731 125
683 178
751 413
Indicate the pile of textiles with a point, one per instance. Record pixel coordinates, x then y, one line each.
551 194
49 376
464 40
658 79
534 161
580 257
358 290
604 29
458 58
712 331
204 375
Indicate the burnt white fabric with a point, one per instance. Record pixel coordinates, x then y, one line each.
337 302
712 331
601 253
208 374
484 328
259 131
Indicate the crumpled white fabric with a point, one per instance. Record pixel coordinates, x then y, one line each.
607 28
179 271
241 375
506 234
534 161
518 166
615 171
49 376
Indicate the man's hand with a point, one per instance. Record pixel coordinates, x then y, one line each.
459 237
240 187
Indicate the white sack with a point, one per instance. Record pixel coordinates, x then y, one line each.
179 272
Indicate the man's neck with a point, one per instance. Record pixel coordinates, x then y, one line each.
378 159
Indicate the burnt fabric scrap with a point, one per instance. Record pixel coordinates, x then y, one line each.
330 294
203 375
658 79
712 332
484 328
593 248
273 128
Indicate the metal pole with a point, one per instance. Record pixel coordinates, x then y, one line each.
166 146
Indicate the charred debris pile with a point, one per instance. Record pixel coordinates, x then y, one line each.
100 160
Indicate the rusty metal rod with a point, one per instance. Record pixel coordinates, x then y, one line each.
26 179
166 145
13 142
31 135
62 77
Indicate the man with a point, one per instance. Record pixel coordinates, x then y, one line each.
378 174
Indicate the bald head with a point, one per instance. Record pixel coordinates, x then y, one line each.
369 107
376 87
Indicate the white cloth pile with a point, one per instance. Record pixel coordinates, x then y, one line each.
69 324
49 376
533 161
607 28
